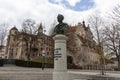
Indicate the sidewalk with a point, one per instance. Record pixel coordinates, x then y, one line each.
89 74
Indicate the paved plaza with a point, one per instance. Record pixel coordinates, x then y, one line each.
22 73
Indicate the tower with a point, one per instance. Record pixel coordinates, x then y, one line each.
11 42
83 23
13 31
40 29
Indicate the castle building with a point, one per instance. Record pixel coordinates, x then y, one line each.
80 45
21 45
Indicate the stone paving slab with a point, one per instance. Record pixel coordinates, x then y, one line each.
23 73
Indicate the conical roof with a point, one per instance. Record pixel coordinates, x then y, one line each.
40 27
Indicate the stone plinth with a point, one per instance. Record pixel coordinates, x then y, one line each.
60 58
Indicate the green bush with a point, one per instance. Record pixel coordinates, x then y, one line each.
69 60
32 64
27 63
47 61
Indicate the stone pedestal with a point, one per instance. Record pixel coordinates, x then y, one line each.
60 58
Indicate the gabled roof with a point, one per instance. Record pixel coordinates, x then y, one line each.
14 28
72 28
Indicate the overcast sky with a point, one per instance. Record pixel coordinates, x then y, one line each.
45 11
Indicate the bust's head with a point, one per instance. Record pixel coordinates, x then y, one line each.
60 18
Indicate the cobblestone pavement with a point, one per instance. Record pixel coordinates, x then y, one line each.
23 73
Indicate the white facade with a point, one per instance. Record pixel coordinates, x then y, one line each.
2 52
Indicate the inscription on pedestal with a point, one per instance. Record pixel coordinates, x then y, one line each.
57 54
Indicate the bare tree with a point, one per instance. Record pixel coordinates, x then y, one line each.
3 33
116 14
29 26
52 27
112 34
96 23
112 37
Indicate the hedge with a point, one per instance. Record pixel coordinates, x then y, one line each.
1 62
49 63
31 64
69 60
47 60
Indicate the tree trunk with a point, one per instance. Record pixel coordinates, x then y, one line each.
118 58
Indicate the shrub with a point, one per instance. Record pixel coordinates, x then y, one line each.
32 64
1 62
69 60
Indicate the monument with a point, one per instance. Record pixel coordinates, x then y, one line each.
60 57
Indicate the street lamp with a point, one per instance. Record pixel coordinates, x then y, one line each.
43 59
43 51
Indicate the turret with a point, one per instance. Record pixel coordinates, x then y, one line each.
84 26
13 31
83 23
40 29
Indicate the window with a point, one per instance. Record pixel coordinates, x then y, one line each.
47 53
33 55
41 49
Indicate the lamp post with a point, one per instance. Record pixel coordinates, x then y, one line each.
44 51
43 59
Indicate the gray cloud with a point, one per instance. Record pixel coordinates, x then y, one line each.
15 11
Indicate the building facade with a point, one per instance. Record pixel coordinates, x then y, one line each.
21 45
80 45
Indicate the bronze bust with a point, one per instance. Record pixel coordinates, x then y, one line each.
61 27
